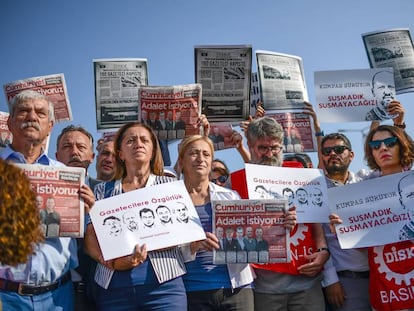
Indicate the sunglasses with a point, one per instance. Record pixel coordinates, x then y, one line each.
221 179
337 149
388 142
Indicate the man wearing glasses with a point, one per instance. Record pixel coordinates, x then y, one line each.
292 285
346 274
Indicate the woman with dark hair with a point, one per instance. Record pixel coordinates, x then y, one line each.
143 280
389 150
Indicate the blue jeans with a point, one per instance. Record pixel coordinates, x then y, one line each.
169 296
227 299
61 299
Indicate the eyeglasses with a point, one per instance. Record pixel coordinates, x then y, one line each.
264 149
388 142
337 149
221 179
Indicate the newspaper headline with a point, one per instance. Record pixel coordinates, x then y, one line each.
225 73
172 111
57 188
250 231
116 90
392 48
53 86
281 80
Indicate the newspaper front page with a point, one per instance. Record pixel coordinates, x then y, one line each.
225 73
172 111
53 86
254 94
392 48
299 132
116 90
6 136
281 80
57 196
221 135
250 231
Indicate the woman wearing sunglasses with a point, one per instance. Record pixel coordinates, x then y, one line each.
389 150
220 176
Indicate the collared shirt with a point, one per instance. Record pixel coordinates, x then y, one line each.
52 258
342 259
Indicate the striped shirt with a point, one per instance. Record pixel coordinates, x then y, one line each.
166 264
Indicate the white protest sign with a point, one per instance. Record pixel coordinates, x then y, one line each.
354 95
374 212
160 216
304 188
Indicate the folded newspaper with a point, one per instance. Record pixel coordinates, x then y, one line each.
250 231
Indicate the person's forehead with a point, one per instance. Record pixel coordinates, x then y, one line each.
137 131
33 101
108 146
333 142
267 140
75 136
381 135
199 145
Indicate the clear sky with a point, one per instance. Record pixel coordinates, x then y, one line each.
48 36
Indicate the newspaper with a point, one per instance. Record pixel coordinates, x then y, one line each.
225 73
221 135
354 95
160 216
281 80
392 48
254 94
53 86
172 111
6 136
116 90
305 188
374 212
299 131
57 196
250 231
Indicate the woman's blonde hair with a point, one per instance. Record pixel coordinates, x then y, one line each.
156 163
191 139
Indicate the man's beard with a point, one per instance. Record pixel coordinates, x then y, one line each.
272 161
335 169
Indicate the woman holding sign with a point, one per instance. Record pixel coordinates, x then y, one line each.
142 280
210 286
389 150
